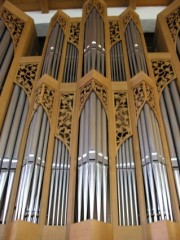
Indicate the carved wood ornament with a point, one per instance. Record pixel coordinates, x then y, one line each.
64 123
14 24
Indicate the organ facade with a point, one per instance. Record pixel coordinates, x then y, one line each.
89 140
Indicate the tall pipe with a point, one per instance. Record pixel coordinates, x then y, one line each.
92 193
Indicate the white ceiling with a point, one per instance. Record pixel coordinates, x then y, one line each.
147 16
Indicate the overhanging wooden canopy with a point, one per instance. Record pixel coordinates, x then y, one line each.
46 5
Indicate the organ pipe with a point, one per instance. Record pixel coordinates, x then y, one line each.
94 44
31 178
6 52
53 53
71 64
136 56
92 170
170 101
10 140
156 185
117 62
57 207
126 182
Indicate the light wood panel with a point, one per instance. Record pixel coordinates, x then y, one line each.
46 5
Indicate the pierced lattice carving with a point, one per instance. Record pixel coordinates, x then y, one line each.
163 73
65 118
130 16
150 97
101 91
61 20
14 24
44 95
123 129
84 93
139 97
114 32
74 33
142 93
26 76
95 86
173 22
97 5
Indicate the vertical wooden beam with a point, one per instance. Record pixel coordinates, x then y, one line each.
44 6
132 4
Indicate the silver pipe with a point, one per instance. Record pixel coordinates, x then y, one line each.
3 177
119 192
35 137
99 155
51 194
98 189
8 121
122 194
38 160
66 194
8 193
16 215
71 62
56 50
173 120
86 160
15 126
175 98
57 173
165 188
45 146
105 176
60 51
64 187
80 162
21 129
4 43
170 217
126 206
135 207
120 199
2 27
177 181
129 183
149 149
143 155
6 64
26 187
60 165
92 151
28 171
92 179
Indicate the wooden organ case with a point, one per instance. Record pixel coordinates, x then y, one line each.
89 141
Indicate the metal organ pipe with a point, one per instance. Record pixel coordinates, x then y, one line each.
57 207
31 178
70 69
170 102
10 139
52 58
126 182
92 170
6 52
154 167
136 56
117 62
94 44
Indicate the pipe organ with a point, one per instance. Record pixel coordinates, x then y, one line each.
89 130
